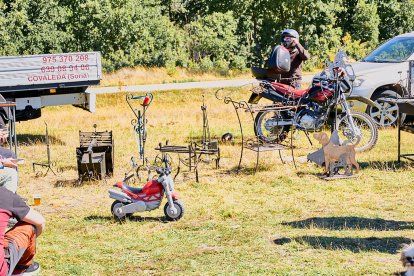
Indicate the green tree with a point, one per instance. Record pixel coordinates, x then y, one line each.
213 36
33 27
396 17
365 22
127 32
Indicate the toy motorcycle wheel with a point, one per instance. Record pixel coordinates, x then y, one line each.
114 210
179 205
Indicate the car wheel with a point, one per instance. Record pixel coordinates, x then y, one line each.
387 115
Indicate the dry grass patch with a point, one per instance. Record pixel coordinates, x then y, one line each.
280 220
151 75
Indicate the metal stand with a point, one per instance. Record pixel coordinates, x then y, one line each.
405 106
255 144
139 122
194 152
10 109
409 128
49 163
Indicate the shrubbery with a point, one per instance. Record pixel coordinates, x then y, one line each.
197 34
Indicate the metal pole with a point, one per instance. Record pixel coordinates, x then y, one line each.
47 145
399 137
14 130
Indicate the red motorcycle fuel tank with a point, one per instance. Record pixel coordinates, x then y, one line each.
318 94
152 187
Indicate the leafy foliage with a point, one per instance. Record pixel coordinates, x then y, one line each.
197 33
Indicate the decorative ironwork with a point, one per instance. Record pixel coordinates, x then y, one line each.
139 123
192 155
49 163
255 144
95 155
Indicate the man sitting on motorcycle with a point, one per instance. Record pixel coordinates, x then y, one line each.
298 54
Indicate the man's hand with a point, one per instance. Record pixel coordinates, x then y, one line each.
295 41
9 162
35 218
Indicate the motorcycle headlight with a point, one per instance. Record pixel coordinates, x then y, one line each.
358 82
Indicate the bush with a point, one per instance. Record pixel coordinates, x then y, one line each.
238 62
213 36
355 48
206 64
222 66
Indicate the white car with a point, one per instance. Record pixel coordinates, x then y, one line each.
383 73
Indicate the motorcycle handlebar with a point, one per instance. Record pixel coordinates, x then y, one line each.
162 171
137 97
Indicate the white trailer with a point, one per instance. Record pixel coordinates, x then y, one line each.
37 81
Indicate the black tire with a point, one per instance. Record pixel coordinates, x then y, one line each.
115 205
180 208
387 116
270 135
364 122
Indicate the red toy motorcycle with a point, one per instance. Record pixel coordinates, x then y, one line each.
131 200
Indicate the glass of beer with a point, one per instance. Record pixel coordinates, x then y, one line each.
37 199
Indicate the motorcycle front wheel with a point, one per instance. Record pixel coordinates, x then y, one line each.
364 123
179 205
266 127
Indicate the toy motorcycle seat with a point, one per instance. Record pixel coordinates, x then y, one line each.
131 189
289 90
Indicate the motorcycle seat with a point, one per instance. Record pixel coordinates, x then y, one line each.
131 189
289 90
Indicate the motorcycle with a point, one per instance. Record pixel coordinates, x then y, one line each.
314 107
131 200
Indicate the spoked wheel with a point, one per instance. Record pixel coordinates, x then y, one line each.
366 127
179 205
267 128
115 212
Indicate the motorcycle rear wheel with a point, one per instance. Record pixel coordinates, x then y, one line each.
115 205
364 122
179 205
271 135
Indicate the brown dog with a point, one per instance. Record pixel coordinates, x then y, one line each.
334 153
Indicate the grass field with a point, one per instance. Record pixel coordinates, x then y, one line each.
144 75
279 221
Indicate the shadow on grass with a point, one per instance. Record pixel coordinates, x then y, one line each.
132 218
67 183
357 223
250 169
387 165
31 139
74 183
244 170
68 168
385 245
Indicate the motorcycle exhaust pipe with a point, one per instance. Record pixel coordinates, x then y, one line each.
279 123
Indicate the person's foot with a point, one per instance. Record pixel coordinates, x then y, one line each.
33 269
